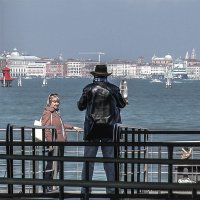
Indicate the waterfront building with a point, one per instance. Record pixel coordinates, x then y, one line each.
74 67
79 68
88 66
18 63
131 70
179 69
121 68
158 65
144 71
36 69
192 65
22 65
158 71
56 68
161 60
193 71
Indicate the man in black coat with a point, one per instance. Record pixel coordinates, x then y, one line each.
102 102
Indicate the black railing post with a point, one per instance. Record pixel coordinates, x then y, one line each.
11 153
43 162
132 164
33 163
23 161
146 152
9 161
117 136
87 171
159 165
139 156
194 194
125 164
170 169
61 172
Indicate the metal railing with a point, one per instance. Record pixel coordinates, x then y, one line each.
144 168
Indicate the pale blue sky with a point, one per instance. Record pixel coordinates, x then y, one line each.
124 29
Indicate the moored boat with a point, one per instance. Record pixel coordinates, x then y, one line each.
156 81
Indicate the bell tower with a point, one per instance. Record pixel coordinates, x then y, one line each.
193 55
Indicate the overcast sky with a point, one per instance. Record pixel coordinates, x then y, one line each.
124 29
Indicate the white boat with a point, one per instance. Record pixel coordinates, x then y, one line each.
156 81
27 77
19 82
44 82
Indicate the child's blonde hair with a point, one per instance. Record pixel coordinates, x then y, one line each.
51 97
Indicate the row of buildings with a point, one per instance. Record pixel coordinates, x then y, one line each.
32 66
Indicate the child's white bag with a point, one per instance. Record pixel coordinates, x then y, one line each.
38 131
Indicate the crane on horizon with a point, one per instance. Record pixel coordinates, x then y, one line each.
99 54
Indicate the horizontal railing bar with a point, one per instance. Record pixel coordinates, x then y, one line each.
96 195
118 144
122 131
100 159
94 183
175 131
30 128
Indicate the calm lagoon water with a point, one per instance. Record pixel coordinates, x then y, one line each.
151 105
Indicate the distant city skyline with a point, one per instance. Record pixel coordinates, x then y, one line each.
122 29
97 56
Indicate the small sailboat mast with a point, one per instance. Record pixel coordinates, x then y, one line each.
44 83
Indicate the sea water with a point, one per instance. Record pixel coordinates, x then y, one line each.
150 105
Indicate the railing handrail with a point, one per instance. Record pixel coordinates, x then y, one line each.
134 163
101 159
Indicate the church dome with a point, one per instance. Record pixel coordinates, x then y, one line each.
168 57
15 52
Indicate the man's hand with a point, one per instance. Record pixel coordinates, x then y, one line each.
77 129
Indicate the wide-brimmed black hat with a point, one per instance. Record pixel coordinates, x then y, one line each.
100 70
